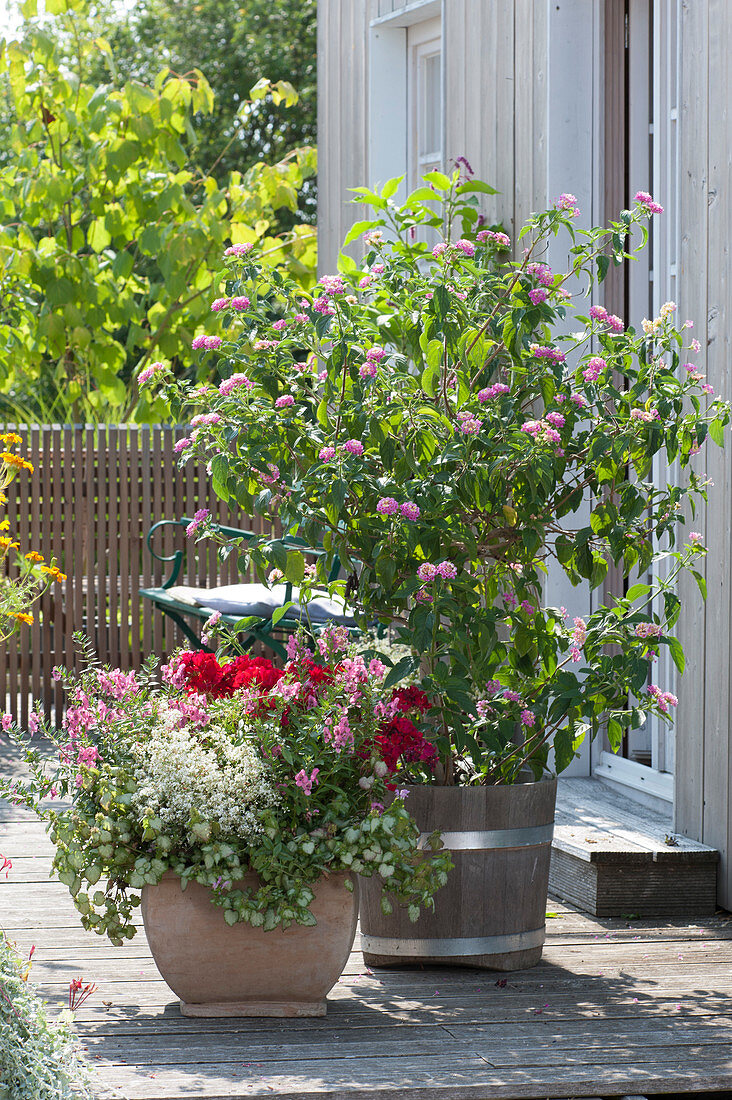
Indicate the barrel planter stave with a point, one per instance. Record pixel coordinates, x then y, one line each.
492 911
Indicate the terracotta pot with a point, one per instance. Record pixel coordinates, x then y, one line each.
221 970
492 911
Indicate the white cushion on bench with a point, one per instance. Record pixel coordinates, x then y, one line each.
257 599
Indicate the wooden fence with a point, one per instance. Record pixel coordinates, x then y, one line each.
92 498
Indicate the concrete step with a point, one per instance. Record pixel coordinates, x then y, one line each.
614 858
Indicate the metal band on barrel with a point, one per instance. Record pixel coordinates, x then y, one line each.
480 841
444 948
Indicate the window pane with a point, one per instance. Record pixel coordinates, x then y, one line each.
430 120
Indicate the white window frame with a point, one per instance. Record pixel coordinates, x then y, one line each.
388 94
424 43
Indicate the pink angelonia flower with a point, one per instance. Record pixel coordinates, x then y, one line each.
305 781
33 723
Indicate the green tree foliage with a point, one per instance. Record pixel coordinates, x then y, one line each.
232 42
108 226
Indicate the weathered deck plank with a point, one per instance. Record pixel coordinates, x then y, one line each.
617 1006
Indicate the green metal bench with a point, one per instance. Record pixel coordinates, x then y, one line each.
261 628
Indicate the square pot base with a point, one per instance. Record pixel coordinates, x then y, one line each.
254 1008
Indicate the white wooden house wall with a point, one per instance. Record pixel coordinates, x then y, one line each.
704 724
524 102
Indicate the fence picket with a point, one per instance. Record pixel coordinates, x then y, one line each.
92 497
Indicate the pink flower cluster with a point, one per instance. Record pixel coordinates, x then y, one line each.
648 630
199 517
595 366
541 431
265 345
695 538
578 639
387 506
409 510
353 447
468 423
614 323
280 326
428 572
538 295
241 302
646 415
218 304
149 372
501 239
568 203
555 419
439 249
495 390
285 401
181 444
204 419
230 384
642 198
332 284
324 305
542 273
545 352
664 699
466 247
326 454
239 249
208 342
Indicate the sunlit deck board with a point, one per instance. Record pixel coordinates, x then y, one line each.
615 1007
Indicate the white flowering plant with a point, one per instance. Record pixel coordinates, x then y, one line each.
449 421
226 768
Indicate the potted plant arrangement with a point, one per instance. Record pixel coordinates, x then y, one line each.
452 423
238 802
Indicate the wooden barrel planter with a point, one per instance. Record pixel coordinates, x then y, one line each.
492 911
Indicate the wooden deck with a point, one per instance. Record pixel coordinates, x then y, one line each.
616 1007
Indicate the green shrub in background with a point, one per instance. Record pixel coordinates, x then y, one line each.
108 224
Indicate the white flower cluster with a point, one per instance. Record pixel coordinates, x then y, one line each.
183 780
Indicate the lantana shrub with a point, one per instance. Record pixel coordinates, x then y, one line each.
451 421
232 767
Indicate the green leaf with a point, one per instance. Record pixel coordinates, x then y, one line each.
391 186
260 89
637 590
716 431
220 476
476 185
280 612
677 653
439 179
358 229
99 236
405 667
430 379
295 568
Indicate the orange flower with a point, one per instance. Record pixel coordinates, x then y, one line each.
53 571
15 461
10 438
8 544
22 617
34 556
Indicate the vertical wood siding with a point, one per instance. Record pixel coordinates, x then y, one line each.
92 498
495 105
704 743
